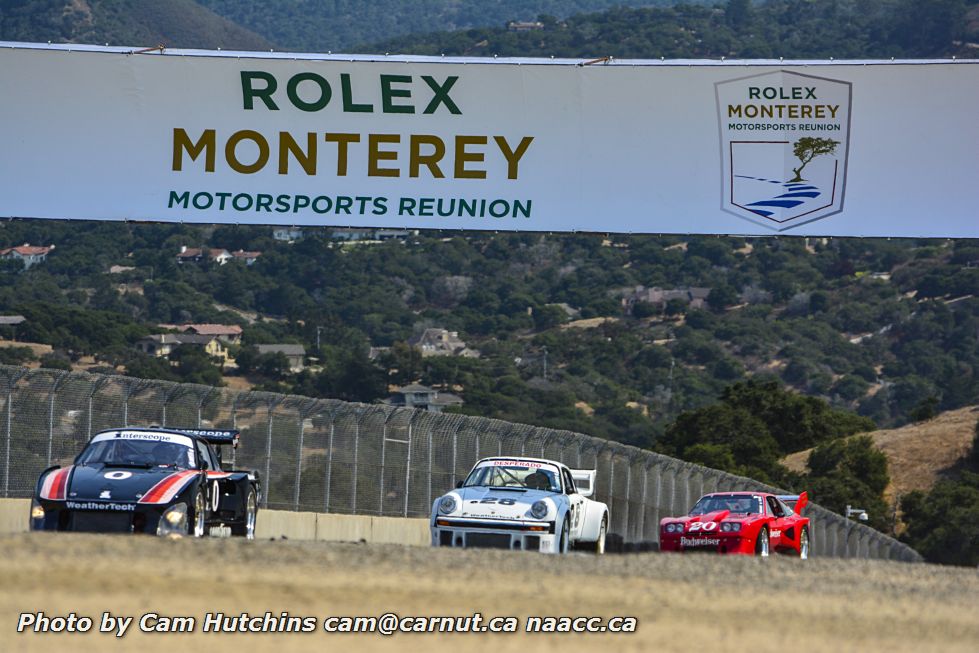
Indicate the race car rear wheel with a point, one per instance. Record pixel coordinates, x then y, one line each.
247 528
600 542
198 523
804 544
565 537
761 544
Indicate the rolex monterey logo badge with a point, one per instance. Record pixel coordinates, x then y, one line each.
785 139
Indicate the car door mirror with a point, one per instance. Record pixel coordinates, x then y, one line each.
459 484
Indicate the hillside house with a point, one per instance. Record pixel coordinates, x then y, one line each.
296 354
27 254
9 324
161 345
440 342
695 298
423 398
248 258
287 234
201 254
524 26
227 333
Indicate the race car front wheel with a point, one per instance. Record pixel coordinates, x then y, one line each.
761 544
247 528
565 538
200 516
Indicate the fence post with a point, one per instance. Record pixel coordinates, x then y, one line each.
91 397
304 411
431 427
234 425
272 404
647 466
455 447
411 424
11 381
200 404
166 402
384 440
53 395
329 463
361 414
628 495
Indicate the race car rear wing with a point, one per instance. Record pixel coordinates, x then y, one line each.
584 481
215 436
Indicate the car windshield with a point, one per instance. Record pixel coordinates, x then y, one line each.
515 474
745 504
137 453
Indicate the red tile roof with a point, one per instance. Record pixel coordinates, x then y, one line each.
27 250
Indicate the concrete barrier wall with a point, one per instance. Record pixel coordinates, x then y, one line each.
284 523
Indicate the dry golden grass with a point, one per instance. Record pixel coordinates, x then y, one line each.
917 454
681 601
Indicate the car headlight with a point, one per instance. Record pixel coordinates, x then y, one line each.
731 527
173 523
37 510
539 510
447 505
678 528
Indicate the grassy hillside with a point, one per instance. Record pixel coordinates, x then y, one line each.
918 454
316 26
176 23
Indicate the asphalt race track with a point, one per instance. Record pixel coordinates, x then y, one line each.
681 602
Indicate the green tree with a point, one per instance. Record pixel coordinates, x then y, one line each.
850 471
737 13
943 525
808 148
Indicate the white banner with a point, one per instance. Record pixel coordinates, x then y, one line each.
806 148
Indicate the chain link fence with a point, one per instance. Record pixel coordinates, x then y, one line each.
325 455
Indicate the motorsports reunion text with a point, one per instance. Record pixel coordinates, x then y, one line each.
389 623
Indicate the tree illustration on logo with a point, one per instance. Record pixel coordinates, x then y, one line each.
808 148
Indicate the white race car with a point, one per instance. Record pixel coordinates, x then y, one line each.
527 504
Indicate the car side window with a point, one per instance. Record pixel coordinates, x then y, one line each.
204 455
569 487
214 462
775 508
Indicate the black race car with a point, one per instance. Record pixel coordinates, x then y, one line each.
159 481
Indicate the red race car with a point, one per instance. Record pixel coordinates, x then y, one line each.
752 523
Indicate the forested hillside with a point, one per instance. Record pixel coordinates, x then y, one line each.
341 25
886 328
176 23
794 29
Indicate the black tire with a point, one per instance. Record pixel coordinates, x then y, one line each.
197 518
247 528
763 543
600 542
563 546
804 543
